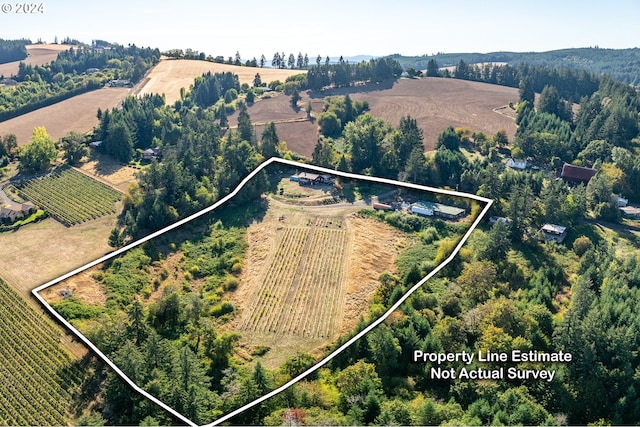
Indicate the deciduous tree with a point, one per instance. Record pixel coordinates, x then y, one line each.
38 154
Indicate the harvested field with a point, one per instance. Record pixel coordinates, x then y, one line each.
39 54
436 104
300 136
74 114
170 75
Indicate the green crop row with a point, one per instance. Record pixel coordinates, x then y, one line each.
71 197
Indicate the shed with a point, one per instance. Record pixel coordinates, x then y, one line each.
382 206
495 219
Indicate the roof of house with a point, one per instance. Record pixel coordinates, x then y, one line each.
630 210
517 163
577 173
553 229
439 207
307 175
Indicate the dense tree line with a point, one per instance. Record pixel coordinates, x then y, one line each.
67 76
571 85
345 74
199 163
13 50
620 64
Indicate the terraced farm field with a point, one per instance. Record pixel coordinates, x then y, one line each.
303 291
71 197
36 374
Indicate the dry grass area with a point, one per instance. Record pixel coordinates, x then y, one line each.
40 252
331 273
170 75
104 169
82 286
74 114
39 54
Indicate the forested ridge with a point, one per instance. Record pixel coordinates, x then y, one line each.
620 64
506 290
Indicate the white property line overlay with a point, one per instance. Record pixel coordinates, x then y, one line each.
101 355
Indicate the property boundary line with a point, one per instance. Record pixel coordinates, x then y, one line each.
105 359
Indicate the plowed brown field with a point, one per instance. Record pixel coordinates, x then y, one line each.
435 103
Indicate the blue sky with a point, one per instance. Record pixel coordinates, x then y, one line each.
337 27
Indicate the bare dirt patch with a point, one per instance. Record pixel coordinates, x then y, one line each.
170 75
38 54
76 114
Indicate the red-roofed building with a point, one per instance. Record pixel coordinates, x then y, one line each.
577 174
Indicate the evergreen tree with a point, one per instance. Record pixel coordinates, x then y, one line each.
245 128
432 68
269 141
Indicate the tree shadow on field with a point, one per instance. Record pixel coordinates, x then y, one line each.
364 88
105 164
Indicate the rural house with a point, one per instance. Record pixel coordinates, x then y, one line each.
120 83
8 82
13 211
553 232
577 174
151 153
307 178
518 164
437 209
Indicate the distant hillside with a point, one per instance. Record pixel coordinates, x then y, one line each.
621 64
